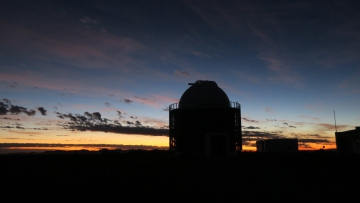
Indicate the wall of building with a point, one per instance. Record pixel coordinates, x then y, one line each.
193 131
277 145
348 142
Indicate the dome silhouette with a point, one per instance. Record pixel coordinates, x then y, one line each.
205 122
204 94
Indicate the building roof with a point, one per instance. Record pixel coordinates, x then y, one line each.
204 94
350 133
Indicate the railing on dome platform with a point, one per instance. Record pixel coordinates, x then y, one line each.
174 106
235 105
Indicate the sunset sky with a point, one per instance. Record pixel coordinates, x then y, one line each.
107 63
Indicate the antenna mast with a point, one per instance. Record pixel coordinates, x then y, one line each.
335 121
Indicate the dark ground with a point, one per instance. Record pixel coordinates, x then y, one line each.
157 175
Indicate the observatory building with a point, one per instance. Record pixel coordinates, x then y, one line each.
205 122
348 142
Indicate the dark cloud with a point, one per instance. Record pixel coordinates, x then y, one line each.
105 120
254 121
129 122
59 115
256 135
271 119
3 110
88 115
4 106
313 135
142 98
7 107
138 124
318 141
97 116
251 128
94 122
124 130
42 111
285 125
7 102
128 101
119 114
316 136
14 109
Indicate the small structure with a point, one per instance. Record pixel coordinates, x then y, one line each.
277 145
205 122
348 142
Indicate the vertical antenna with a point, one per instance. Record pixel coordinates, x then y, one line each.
335 121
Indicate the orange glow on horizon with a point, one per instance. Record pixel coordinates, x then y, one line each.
76 148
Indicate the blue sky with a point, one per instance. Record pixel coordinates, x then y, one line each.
293 62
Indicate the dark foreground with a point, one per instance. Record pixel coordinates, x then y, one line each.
157 175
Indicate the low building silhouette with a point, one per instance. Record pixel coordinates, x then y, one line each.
348 142
205 122
277 145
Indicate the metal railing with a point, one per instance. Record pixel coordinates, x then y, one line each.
235 105
173 106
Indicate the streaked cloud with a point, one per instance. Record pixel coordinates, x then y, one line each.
309 117
250 128
331 127
179 73
87 20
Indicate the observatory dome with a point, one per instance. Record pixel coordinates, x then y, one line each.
204 94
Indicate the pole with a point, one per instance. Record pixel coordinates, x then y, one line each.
335 121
